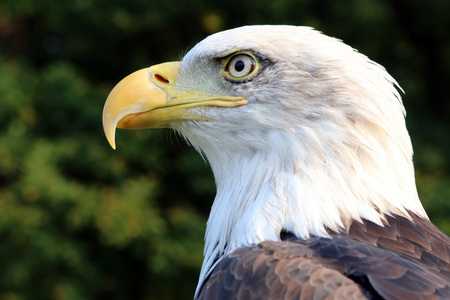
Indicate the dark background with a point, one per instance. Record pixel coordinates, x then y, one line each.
81 221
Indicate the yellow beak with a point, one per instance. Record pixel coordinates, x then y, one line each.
147 99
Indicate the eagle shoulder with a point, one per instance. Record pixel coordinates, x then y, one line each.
401 260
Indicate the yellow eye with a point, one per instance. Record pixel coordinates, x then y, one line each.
240 66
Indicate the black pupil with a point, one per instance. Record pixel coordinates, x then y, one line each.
239 66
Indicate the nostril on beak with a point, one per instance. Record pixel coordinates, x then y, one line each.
161 79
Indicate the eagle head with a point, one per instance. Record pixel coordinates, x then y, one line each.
302 132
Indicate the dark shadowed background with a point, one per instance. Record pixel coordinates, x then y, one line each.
81 221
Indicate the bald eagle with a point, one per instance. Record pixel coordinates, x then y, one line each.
306 137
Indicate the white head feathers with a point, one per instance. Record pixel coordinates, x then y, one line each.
321 143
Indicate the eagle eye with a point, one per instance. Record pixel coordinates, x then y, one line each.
240 66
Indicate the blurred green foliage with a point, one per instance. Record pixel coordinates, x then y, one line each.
81 221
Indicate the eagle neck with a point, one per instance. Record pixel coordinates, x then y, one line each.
304 186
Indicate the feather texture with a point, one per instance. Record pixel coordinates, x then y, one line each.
401 260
